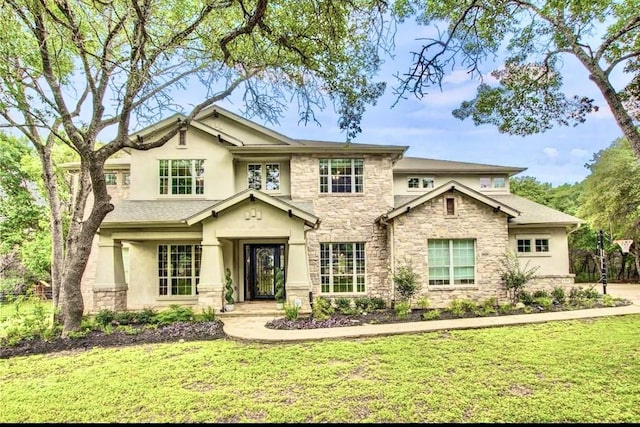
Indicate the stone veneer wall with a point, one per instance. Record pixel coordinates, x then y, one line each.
115 300
348 218
474 220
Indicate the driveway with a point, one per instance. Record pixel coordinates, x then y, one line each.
630 291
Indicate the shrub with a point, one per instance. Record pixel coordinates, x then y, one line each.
147 316
402 309
279 286
514 275
126 317
322 309
540 293
344 305
228 285
431 314
207 315
291 311
558 295
406 281
377 303
175 313
608 301
544 302
424 303
504 308
364 304
104 317
526 298
488 306
456 308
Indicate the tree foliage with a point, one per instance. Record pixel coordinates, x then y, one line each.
603 35
72 72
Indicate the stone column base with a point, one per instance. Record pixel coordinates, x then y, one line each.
114 299
298 294
210 296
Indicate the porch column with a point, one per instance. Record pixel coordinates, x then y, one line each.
211 283
110 286
297 284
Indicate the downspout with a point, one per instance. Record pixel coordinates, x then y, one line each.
392 255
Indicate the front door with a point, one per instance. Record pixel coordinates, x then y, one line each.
261 261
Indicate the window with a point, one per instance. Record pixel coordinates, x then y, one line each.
451 262
342 267
416 183
450 205
110 178
532 245
181 176
178 269
126 178
271 179
341 175
499 182
182 139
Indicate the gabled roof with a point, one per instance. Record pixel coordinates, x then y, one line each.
449 186
420 165
251 194
534 213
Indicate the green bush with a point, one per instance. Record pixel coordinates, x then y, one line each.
514 275
558 294
456 307
206 315
364 304
104 317
279 286
126 317
378 303
431 314
291 311
544 302
406 281
343 305
228 286
488 306
505 308
175 313
424 303
322 309
608 301
526 298
402 309
540 293
147 316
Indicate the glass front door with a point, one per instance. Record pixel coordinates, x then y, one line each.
261 262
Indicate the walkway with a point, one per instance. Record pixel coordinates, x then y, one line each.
253 327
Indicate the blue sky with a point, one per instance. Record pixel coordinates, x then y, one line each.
428 127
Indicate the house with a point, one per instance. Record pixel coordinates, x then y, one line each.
338 218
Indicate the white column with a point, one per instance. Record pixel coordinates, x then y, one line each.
110 286
210 288
297 284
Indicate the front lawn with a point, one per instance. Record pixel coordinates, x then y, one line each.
570 371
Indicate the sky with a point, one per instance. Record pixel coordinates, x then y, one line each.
557 156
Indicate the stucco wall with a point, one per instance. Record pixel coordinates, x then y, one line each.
554 262
474 220
400 186
348 217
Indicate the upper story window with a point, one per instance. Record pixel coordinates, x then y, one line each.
420 183
498 182
532 245
341 175
269 181
181 176
126 178
110 178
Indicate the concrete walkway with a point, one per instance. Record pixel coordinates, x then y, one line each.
253 328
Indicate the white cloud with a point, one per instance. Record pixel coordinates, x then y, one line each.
550 152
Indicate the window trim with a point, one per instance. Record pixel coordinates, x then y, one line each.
196 266
532 244
492 183
264 176
354 177
355 267
421 179
115 178
451 266
195 177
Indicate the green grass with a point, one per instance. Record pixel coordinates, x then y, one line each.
572 371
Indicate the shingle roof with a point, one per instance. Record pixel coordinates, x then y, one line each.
155 211
420 165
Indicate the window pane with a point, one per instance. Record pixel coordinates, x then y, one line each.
428 183
542 245
126 179
342 267
110 178
413 182
485 182
199 174
498 183
341 175
273 177
524 245
254 176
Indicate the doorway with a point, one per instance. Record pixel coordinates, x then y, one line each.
261 261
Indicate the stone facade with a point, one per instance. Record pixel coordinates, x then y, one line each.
115 300
348 218
473 220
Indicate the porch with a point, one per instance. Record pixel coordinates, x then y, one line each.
257 308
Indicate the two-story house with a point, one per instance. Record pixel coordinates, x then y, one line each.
338 218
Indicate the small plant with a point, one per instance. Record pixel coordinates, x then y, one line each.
291 311
406 281
456 308
322 309
526 298
228 286
364 304
104 317
540 293
207 315
504 308
126 317
424 303
608 301
431 314
343 305
378 303
279 286
402 309
488 306
558 295
544 302
514 275
175 313
129 330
